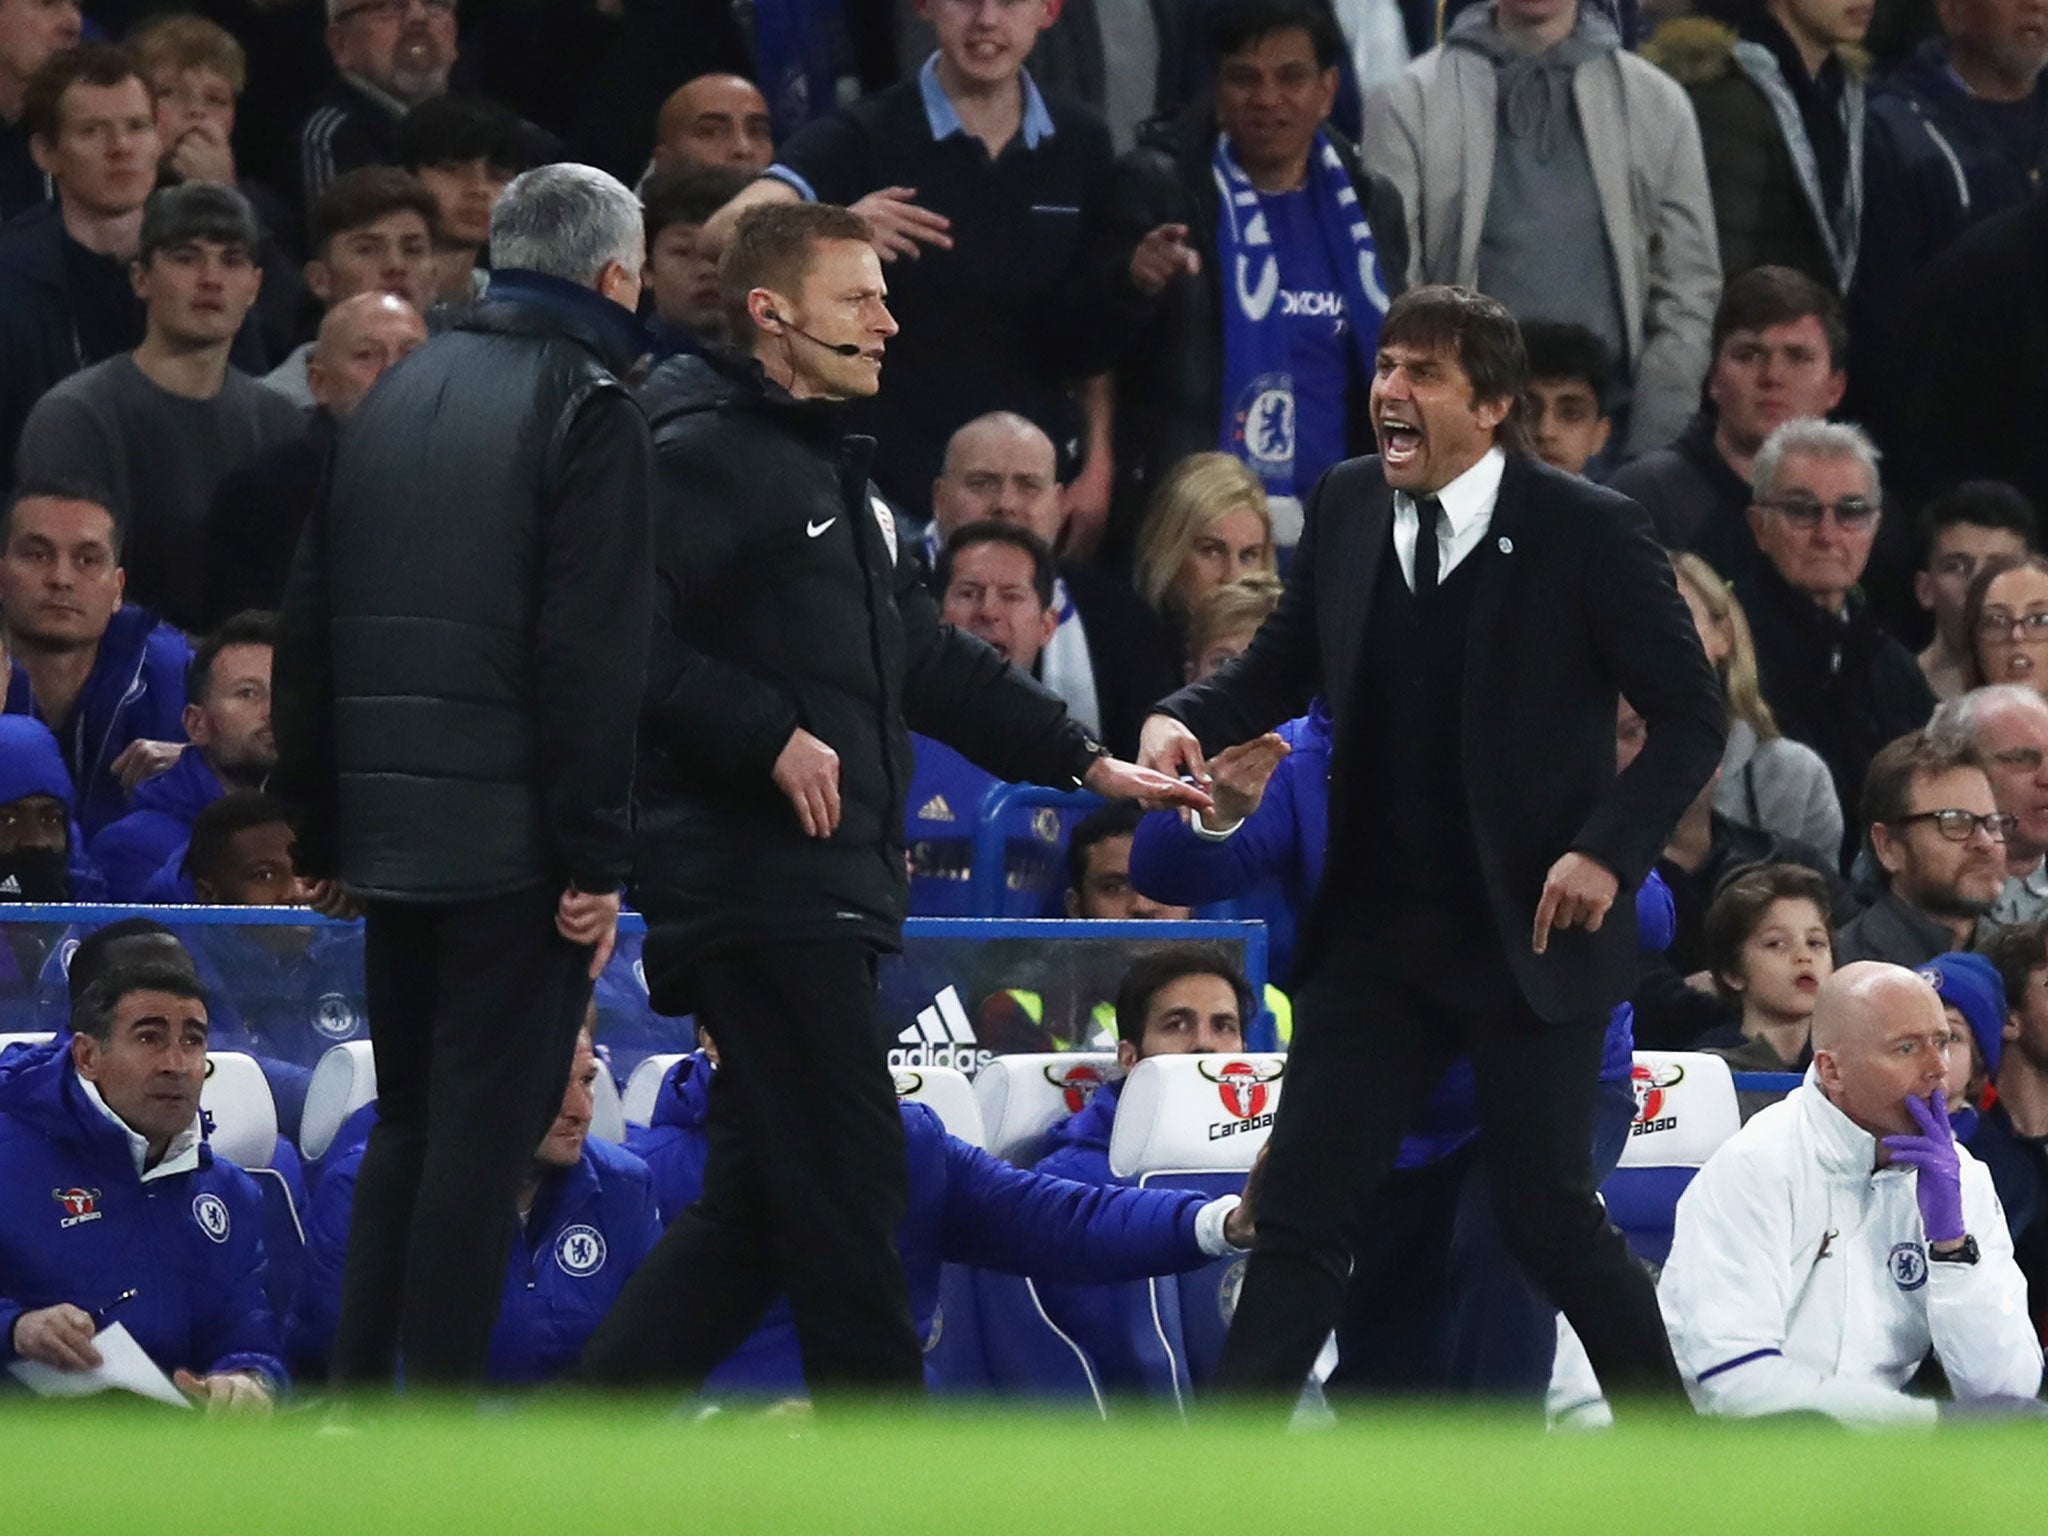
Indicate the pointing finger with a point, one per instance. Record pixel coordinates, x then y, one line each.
1546 911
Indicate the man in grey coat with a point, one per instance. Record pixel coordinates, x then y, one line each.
1526 142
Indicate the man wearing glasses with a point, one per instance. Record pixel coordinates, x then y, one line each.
391 56
1831 674
1939 837
2008 725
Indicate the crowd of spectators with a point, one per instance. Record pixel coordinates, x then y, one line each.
1788 292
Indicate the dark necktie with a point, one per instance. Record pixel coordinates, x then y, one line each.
1428 514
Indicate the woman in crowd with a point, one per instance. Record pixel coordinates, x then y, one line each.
2006 617
1208 523
1768 781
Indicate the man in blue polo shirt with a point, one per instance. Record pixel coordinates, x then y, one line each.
995 189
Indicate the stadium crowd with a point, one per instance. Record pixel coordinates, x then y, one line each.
1781 271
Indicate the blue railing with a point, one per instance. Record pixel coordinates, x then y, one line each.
991 834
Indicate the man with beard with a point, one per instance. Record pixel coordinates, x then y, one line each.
35 818
227 717
1939 836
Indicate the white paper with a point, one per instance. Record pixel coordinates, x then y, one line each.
123 1368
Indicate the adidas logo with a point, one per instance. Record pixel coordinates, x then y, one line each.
12 887
935 809
943 1036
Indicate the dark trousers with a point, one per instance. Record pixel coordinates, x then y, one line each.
1436 1302
474 1009
805 1183
1376 1021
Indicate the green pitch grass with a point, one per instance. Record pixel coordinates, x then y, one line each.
586 1470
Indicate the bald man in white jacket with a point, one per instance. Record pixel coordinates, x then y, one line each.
1842 1234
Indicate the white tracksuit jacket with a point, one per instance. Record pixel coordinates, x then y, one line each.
1799 1278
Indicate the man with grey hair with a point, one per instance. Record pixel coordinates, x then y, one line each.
458 670
2008 725
1832 675
1842 1235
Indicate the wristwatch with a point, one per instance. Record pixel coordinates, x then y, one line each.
1967 1254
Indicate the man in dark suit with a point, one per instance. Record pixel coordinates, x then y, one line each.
1483 852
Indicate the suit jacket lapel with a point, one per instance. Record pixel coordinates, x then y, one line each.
1358 569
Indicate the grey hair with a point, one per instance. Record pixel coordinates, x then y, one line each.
1967 716
1812 438
567 221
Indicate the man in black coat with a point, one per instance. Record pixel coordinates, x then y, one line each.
464 635
795 648
1276 80
1472 617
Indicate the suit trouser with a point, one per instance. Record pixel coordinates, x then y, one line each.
1375 1023
805 1184
1436 1302
474 1009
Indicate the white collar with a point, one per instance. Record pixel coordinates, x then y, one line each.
1844 1146
181 1156
1468 501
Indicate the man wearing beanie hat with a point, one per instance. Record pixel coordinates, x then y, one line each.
2011 1138
40 857
156 429
36 840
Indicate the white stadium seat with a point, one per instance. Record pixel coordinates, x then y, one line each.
950 1096
1024 1096
644 1087
344 1080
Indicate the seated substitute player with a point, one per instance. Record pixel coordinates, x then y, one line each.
114 1208
587 1217
1842 1234
966 1207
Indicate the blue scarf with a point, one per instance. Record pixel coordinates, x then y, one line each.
1258 379
796 49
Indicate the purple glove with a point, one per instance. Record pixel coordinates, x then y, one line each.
1932 1153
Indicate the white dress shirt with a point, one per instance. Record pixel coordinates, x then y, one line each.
1468 512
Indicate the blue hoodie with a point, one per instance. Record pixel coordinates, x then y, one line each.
79 1225
591 1226
966 1207
131 849
31 763
136 692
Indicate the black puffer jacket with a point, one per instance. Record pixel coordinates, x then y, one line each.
782 600
465 628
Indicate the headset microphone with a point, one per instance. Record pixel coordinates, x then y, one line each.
843 348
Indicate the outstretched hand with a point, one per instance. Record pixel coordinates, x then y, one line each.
1169 747
1114 779
1239 775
